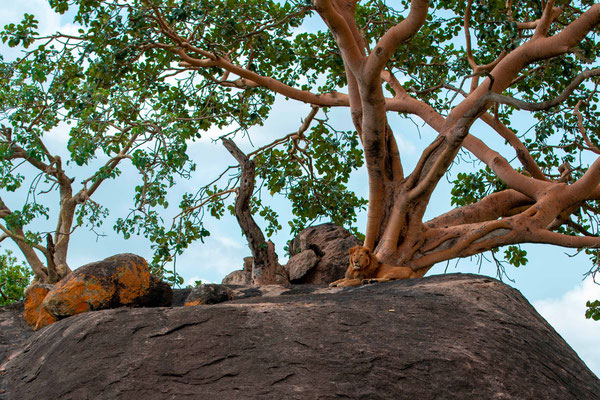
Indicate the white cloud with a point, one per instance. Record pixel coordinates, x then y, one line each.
217 256
191 281
567 315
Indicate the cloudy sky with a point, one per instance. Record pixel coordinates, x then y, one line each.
552 281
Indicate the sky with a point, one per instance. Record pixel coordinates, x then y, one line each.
552 280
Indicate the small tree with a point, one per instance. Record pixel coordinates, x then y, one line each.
107 102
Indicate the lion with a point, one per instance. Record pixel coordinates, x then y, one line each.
365 268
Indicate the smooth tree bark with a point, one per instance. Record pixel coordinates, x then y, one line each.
530 211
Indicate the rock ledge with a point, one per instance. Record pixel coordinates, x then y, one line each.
443 337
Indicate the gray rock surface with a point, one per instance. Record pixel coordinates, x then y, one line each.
13 329
330 244
300 264
442 337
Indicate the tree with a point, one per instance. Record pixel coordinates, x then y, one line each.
528 56
532 58
109 99
265 264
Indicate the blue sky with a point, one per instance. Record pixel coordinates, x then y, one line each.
552 281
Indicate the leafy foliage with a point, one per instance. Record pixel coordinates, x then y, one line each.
593 311
14 278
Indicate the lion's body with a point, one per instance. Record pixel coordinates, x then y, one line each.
365 268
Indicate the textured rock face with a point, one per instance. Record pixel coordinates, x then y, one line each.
121 280
442 337
328 243
14 330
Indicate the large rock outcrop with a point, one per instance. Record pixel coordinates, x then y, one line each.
442 337
319 254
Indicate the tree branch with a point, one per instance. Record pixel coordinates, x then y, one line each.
523 105
395 36
493 206
332 14
549 237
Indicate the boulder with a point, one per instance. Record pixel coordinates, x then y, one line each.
120 280
35 315
160 294
240 277
300 264
442 337
330 243
209 293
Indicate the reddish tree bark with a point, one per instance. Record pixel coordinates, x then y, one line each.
530 211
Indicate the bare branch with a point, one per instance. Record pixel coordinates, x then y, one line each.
582 129
549 237
523 105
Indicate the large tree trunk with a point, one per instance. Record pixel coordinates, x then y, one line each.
266 269
395 230
530 211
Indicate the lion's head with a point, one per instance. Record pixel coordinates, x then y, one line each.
363 262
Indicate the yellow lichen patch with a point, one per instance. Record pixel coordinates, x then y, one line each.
33 305
192 303
134 282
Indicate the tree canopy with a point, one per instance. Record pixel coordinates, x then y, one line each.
510 88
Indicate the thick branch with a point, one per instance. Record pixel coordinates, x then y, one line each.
524 184
332 14
493 206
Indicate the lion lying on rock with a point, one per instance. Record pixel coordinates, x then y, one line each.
365 268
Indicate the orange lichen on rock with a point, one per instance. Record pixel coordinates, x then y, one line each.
35 315
133 281
74 296
120 280
192 303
